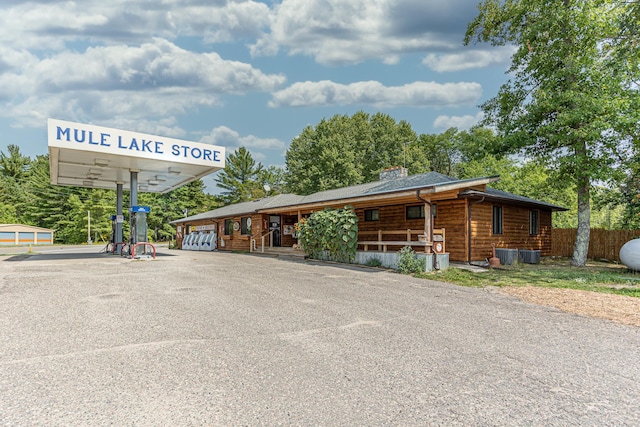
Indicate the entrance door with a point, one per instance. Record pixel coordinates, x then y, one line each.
274 225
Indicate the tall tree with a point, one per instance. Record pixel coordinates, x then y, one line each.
63 209
272 180
570 103
449 150
239 178
392 144
443 151
323 157
15 164
14 170
348 150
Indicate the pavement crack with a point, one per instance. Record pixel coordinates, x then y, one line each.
98 351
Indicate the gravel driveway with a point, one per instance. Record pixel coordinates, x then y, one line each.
223 339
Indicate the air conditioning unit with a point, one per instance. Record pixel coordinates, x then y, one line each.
507 256
530 256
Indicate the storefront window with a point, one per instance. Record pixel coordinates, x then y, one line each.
228 227
245 225
534 222
497 220
371 215
415 212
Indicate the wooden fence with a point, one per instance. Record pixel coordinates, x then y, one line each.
604 244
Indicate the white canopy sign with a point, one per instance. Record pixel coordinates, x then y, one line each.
76 136
101 157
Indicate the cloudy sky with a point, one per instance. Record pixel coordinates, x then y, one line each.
238 72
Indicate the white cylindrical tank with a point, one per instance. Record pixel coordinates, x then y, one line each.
630 254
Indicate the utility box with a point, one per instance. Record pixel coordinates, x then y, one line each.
530 256
507 256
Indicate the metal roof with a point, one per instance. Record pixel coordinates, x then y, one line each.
431 180
252 206
92 156
494 194
408 183
22 227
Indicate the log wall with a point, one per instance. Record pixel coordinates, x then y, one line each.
515 230
390 218
452 216
234 241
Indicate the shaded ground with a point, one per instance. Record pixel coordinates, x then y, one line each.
619 308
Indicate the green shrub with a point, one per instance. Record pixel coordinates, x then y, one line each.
332 232
408 262
373 262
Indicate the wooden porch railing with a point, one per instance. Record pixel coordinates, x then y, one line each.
420 241
253 243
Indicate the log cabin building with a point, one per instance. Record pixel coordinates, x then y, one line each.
429 211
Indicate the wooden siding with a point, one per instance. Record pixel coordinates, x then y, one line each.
452 216
515 227
389 218
236 241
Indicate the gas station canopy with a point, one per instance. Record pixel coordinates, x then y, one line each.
91 156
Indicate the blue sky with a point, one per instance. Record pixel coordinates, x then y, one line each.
238 72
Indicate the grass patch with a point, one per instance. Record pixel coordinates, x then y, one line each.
373 262
552 273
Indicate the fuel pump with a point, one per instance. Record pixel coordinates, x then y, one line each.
138 224
138 246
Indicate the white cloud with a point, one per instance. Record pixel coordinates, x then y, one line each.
232 21
459 122
328 30
231 139
469 59
154 79
55 23
152 65
343 32
167 126
147 65
420 94
98 106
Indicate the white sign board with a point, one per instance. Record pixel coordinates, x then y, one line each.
98 139
206 227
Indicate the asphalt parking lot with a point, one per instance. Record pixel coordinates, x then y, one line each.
222 339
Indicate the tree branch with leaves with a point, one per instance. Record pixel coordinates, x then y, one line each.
569 103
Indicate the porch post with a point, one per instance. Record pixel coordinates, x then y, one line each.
299 218
428 228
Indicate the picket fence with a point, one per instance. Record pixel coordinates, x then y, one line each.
604 244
